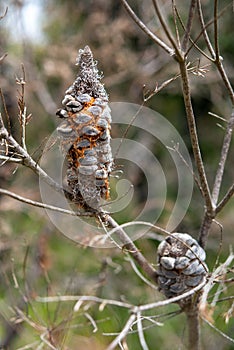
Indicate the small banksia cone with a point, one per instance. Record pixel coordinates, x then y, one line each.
181 264
85 134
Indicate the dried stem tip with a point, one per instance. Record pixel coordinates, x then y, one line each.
88 80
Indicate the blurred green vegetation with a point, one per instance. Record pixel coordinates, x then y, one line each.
36 259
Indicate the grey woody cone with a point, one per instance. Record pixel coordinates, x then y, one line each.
181 264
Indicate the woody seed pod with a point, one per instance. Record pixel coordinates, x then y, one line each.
85 137
181 264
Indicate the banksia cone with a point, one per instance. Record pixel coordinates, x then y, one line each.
181 264
85 134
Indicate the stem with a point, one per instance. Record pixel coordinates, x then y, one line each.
28 161
205 228
216 33
123 333
204 31
224 76
194 137
215 53
225 199
43 205
145 29
193 328
166 30
189 25
133 250
223 158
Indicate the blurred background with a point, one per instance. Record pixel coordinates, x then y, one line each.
35 258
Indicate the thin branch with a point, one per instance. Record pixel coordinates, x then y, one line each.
175 148
174 11
192 41
2 58
130 247
5 13
216 34
149 94
205 227
5 111
194 137
172 300
91 320
215 53
204 31
10 159
220 270
139 274
209 216
82 298
223 158
141 332
42 205
225 199
167 31
218 58
123 333
141 308
45 341
224 76
204 27
189 25
218 330
29 162
145 29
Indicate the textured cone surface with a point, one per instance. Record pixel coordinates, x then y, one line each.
181 264
85 134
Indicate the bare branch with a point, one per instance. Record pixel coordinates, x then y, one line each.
10 159
29 162
138 273
216 38
42 205
189 25
5 111
222 269
218 330
141 308
167 31
205 227
174 11
225 199
130 247
149 94
194 137
82 298
224 76
192 41
5 13
204 31
172 300
175 148
209 216
141 332
215 53
223 157
2 57
145 29
123 333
